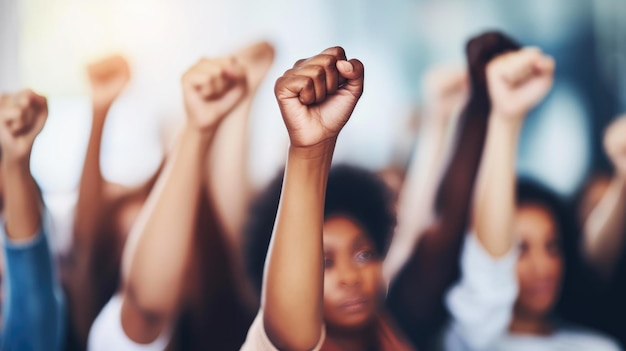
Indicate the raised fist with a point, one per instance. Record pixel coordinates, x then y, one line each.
445 89
317 96
615 145
211 89
518 81
22 116
108 78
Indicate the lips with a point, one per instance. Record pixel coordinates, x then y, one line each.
353 305
543 289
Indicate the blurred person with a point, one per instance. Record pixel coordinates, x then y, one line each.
605 226
33 311
445 93
181 289
104 215
416 295
602 210
505 297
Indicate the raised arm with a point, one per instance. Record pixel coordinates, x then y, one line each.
227 163
517 82
316 98
605 227
482 301
33 313
153 287
416 294
446 90
107 78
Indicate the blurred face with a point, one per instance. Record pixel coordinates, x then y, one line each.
352 275
540 265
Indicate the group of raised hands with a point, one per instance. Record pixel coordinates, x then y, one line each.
162 266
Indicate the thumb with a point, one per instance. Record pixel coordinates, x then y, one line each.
353 72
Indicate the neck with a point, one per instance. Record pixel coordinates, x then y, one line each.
531 324
361 339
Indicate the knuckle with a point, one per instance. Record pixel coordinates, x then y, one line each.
318 72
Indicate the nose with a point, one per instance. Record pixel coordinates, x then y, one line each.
349 275
542 265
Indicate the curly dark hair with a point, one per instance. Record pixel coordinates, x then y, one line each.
351 191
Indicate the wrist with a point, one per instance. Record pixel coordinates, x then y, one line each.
15 164
100 111
320 151
200 136
511 122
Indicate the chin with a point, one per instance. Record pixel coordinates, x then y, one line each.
541 308
352 322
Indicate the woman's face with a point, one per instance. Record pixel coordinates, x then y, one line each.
352 275
540 264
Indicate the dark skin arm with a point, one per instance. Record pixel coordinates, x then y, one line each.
416 295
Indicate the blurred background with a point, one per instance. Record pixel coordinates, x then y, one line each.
45 45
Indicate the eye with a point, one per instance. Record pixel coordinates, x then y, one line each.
553 249
365 256
328 262
523 248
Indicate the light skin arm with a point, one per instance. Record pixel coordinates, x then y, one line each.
446 91
22 117
152 289
415 295
227 163
517 82
605 227
316 99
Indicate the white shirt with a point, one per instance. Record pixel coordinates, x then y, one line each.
107 334
257 339
481 307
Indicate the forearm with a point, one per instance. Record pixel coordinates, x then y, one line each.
416 203
34 298
91 198
166 228
605 228
415 295
22 200
494 204
227 182
294 278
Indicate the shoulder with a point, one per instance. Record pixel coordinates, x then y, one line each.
257 339
107 332
587 339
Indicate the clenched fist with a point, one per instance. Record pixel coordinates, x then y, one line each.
446 89
108 78
317 96
518 81
211 89
22 116
615 145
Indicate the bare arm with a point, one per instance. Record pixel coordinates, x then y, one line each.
23 116
446 92
108 78
605 227
517 82
227 164
315 106
152 290
416 294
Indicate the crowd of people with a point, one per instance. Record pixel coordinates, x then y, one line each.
451 252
